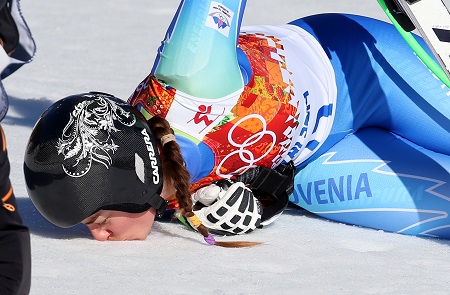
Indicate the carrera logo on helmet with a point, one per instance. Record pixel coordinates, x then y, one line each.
151 154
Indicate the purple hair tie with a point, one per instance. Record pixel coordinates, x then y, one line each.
210 239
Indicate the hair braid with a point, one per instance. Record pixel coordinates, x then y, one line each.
173 164
176 174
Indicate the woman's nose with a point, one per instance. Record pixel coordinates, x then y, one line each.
99 232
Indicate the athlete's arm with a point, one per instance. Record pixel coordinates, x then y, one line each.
198 55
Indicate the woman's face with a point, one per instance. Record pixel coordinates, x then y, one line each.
120 226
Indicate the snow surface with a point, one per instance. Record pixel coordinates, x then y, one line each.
109 46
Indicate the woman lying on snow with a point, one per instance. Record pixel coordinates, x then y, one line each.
339 100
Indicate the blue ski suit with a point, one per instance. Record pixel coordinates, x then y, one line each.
342 96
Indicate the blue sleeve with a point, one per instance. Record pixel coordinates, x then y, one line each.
198 55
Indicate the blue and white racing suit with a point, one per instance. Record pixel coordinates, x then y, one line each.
343 96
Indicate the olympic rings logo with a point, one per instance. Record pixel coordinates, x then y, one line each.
245 152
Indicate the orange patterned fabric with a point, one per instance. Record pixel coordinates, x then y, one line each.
256 131
155 96
268 96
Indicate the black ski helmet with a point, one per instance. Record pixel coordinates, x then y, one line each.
89 152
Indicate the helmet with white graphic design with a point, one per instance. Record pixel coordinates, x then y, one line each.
89 152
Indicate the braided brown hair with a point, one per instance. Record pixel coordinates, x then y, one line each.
176 174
